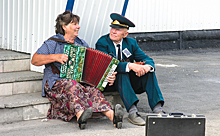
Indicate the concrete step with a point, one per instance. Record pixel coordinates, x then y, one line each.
23 107
20 82
14 61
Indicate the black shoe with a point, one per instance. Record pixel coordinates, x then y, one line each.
83 118
118 116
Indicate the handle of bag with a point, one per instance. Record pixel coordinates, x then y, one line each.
177 114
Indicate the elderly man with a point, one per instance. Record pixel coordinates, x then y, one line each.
131 78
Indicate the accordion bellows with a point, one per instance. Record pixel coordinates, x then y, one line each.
88 66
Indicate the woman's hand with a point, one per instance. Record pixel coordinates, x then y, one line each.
40 59
62 58
111 79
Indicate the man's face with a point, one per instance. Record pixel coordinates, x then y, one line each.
116 34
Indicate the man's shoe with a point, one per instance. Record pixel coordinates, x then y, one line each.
118 116
136 119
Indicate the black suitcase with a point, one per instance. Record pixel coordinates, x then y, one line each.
175 124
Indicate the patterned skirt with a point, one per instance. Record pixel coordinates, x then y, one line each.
68 97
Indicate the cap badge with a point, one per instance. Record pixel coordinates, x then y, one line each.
116 22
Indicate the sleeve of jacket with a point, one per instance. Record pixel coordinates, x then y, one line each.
139 55
103 46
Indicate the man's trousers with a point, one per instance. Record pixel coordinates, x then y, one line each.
128 85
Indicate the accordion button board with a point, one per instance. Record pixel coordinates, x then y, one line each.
88 66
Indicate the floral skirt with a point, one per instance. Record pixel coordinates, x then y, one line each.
68 97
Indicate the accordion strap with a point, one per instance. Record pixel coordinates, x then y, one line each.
53 67
59 40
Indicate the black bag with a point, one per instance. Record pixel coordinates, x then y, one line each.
175 124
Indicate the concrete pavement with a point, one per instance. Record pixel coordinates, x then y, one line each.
189 80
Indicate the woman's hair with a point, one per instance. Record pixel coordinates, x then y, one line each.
64 19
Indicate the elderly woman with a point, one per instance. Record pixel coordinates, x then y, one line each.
69 98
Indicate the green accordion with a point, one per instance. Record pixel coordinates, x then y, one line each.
88 66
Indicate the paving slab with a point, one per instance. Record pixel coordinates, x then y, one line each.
23 107
12 55
16 65
21 100
20 76
2 105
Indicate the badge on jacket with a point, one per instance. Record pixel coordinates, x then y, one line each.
126 52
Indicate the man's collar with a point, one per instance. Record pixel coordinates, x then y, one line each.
118 43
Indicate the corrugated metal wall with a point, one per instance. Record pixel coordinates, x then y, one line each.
25 24
173 15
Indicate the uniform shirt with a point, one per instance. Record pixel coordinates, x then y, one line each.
116 48
53 47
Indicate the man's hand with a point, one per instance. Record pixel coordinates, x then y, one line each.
140 70
111 79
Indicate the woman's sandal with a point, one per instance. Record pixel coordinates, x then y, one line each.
118 116
83 118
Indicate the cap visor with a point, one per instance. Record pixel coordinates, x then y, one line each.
117 26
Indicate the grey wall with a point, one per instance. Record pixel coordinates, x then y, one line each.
157 41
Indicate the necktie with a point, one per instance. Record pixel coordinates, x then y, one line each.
119 52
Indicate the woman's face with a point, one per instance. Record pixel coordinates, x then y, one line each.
72 28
